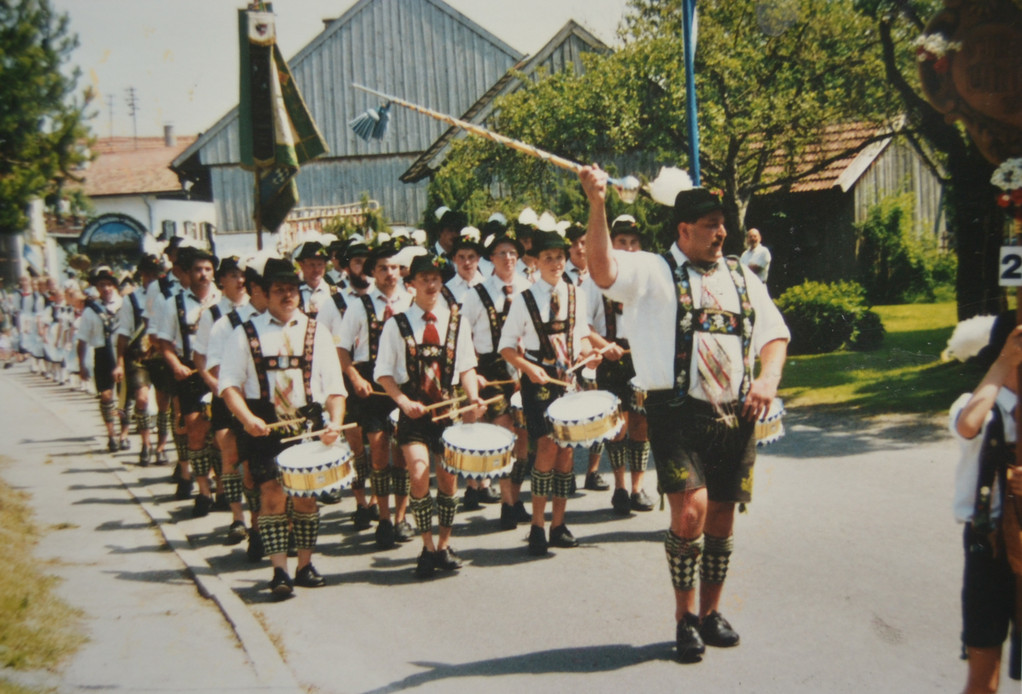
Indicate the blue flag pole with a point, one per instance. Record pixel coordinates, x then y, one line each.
688 9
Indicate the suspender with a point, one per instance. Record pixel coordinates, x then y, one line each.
544 330
994 457
340 303
186 330
495 319
448 295
279 363
374 326
416 353
691 320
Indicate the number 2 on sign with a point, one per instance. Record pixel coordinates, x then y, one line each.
1011 266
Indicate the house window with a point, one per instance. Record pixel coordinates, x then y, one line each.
190 231
207 231
169 230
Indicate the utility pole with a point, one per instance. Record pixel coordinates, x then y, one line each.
132 101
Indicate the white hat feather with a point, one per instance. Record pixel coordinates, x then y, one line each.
668 183
969 337
546 222
528 217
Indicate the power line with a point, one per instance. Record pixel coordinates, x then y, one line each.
132 101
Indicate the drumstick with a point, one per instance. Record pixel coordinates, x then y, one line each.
378 392
563 384
500 383
285 423
310 434
435 405
589 357
466 408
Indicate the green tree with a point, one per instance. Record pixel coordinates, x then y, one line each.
43 135
767 85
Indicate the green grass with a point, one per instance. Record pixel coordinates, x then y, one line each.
904 376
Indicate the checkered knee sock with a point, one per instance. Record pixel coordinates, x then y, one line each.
716 557
381 481
108 411
215 461
305 527
401 482
562 484
617 454
361 470
542 482
273 530
200 460
638 455
162 423
232 487
682 559
446 507
597 448
143 420
422 512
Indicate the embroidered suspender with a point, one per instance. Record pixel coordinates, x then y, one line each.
448 295
691 320
234 317
280 363
340 303
374 325
215 310
186 330
495 319
416 353
994 457
544 330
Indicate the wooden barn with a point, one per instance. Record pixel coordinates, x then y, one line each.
810 227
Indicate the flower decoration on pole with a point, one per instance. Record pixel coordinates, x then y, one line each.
935 48
1008 177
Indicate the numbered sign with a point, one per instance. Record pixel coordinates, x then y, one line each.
1010 273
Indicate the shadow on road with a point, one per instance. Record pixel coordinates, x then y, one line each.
830 434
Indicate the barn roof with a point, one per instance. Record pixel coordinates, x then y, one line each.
133 166
842 172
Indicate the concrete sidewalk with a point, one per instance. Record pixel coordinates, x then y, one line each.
845 578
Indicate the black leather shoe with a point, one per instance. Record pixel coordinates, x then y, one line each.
175 475
362 518
125 445
640 501
562 537
161 458
508 521
470 502
717 632
425 567
221 503
111 445
537 541
385 534
144 456
308 577
184 490
403 532
621 503
374 512
521 515
255 551
281 585
489 495
202 505
687 640
573 487
236 533
447 560
329 498
596 483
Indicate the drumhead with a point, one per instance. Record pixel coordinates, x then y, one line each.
479 438
311 455
516 400
581 406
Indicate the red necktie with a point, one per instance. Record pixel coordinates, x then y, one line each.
508 290
431 385
388 311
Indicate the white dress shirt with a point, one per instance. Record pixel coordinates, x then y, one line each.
967 470
459 286
646 287
519 327
353 334
473 312
169 327
219 334
90 330
237 369
391 358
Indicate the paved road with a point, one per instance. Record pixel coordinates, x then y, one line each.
844 579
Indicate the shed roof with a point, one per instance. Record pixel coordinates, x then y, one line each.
133 166
842 172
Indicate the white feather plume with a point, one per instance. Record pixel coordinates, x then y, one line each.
562 226
969 337
528 217
439 212
547 222
471 233
419 236
667 184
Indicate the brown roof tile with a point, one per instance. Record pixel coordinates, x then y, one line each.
126 166
836 138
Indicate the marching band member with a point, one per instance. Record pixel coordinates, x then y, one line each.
358 344
485 310
216 325
550 324
278 363
133 348
178 323
702 400
98 326
423 355
311 257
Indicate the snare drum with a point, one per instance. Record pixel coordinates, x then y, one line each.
478 450
206 401
395 415
517 413
770 427
638 397
584 418
312 469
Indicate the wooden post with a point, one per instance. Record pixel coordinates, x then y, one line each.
258 212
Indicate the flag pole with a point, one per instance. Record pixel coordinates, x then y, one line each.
688 8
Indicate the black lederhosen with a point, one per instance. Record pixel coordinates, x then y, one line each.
159 374
189 393
988 594
261 451
103 364
616 376
537 398
220 416
692 448
422 430
372 413
492 367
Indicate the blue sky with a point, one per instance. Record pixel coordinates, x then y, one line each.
181 56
